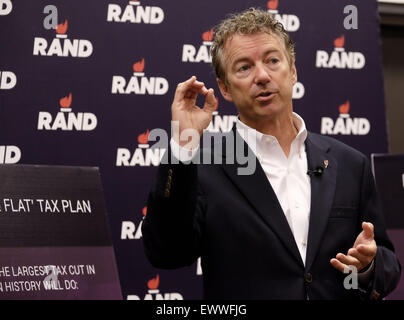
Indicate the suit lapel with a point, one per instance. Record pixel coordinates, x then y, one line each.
322 193
259 193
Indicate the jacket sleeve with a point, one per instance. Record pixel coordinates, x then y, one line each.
172 228
387 267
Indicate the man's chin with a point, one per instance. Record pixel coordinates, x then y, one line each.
268 108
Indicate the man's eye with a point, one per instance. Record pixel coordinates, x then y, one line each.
244 68
274 60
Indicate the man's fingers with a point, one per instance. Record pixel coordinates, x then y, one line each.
193 92
348 260
190 84
368 251
182 88
368 229
210 101
184 85
364 259
188 88
203 90
356 254
338 264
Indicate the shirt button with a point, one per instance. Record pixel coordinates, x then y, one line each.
304 243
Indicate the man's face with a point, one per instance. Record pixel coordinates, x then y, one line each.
259 78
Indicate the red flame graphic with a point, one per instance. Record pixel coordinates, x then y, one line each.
144 211
65 102
344 108
138 66
143 138
339 42
272 4
217 104
208 35
62 28
153 283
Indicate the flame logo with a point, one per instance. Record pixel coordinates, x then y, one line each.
138 66
65 102
153 283
208 35
272 4
144 211
143 138
62 28
339 42
344 108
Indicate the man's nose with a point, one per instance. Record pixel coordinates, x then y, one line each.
262 75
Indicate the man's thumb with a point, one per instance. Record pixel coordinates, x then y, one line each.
368 229
210 101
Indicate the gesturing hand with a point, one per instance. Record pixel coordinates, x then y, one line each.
187 113
361 254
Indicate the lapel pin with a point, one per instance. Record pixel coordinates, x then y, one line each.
325 164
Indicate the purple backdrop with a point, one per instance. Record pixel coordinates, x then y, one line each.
88 94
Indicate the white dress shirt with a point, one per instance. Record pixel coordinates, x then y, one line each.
287 175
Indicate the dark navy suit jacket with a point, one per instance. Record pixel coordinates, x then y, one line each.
236 225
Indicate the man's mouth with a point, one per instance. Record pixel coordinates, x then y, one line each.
264 96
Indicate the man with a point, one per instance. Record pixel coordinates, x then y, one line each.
309 210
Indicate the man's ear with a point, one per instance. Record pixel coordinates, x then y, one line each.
294 74
224 89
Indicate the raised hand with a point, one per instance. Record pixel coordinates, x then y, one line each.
187 113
